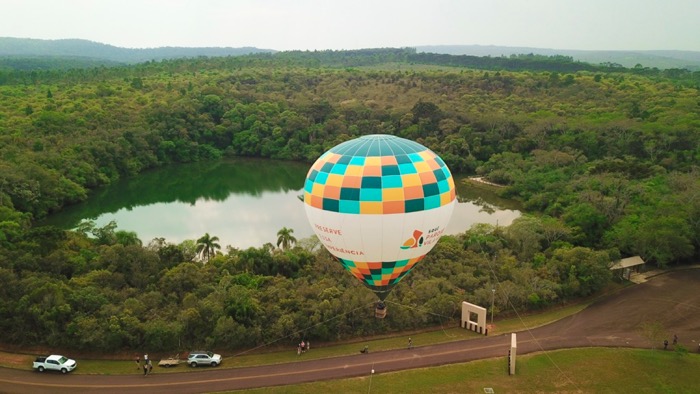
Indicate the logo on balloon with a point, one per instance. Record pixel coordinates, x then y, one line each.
415 242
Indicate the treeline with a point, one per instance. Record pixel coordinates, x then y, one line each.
9 64
33 69
100 290
607 163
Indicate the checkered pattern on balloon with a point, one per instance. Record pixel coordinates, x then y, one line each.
379 203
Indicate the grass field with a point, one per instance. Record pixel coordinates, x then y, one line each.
588 370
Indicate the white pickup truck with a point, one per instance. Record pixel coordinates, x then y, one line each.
54 363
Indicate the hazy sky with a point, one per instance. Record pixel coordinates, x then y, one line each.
333 24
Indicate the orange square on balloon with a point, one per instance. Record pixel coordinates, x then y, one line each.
433 164
427 177
317 202
333 158
372 171
332 192
389 160
352 181
413 192
394 207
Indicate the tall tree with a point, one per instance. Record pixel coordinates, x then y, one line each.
207 246
285 238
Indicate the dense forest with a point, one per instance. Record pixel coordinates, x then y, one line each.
604 159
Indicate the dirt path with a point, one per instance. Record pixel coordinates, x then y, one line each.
671 299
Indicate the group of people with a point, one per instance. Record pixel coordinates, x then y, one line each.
147 365
303 347
675 342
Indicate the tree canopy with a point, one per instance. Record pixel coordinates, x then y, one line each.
604 160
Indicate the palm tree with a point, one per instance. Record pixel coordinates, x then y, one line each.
207 246
285 238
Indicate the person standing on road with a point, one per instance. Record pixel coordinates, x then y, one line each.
145 364
138 363
410 344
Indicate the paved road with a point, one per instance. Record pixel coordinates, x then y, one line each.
613 322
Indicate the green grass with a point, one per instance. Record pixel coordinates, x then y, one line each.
589 370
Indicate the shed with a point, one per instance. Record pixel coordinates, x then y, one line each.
627 265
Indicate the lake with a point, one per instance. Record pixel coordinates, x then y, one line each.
244 202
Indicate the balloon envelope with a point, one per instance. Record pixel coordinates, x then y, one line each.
379 203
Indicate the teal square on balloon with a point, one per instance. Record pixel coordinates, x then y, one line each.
407 168
331 205
308 186
347 206
372 182
415 157
415 205
347 263
444 186
339 169
371 195
391 181
432 202
357 161
386 271
321 178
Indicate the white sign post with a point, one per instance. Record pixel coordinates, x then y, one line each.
511 354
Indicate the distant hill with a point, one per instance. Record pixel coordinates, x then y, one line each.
90 51
36 54
659 58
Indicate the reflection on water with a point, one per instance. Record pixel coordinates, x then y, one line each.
244 202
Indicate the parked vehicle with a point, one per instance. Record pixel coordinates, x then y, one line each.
202 357
170 361
54 362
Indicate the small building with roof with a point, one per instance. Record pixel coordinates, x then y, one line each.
624 268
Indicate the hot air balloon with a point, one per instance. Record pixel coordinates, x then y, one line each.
379 203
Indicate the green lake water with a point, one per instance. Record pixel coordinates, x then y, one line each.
244 202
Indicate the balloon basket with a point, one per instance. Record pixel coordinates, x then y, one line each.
380 311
